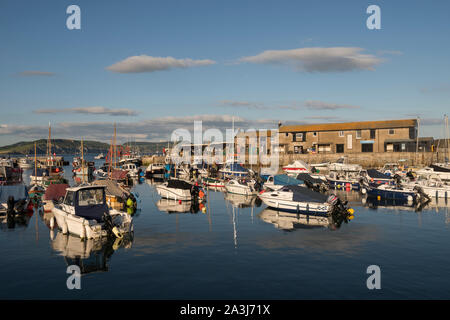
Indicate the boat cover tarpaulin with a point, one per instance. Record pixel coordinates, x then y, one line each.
19 192
91 212
373 173
55 191
179 184
119 174
307 177
284 180
302 194
112 188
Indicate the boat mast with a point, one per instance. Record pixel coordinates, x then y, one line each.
114 146
417 140
447 137
49 145
35 165
82 159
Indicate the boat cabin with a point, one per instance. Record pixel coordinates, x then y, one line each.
88 202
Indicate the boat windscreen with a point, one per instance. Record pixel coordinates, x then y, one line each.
283 180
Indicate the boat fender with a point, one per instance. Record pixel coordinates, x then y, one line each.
117 233
52 223
83 232
363 191
64 227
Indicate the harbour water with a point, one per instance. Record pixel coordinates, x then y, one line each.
238 249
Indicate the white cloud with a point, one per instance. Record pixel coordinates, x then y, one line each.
320 105
31 73
91 110
334 59
144 63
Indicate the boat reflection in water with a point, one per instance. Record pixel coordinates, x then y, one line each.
391 204
178 206
91 255
290 221
242 201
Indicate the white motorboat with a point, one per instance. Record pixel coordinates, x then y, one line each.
85 213
298 166
155 168
99 157
241 186
302 200
342 165
441 171
431 185
175 189
25 163
133 170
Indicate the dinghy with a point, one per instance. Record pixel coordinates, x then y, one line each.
242 186
179 190
84 213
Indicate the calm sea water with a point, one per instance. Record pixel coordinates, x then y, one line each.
238 249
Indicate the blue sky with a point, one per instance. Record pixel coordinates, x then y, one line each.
247 59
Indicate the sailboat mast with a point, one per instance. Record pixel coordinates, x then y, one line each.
115 147
447 137
417 140
82 159
35 165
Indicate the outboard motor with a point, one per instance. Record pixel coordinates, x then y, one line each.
422 196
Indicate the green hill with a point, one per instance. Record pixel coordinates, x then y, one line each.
59 146
66 146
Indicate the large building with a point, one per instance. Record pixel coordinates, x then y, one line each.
351 137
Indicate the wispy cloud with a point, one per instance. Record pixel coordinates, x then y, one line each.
144 63
91 110
317 59
246 104
320 105
31 73
156 129
443 88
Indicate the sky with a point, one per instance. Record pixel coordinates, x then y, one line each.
154 66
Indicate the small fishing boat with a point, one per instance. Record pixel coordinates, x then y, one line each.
179 190
242 186
344 179
14 198
432 185
99 157
342 165
132 169
441 171
213 182
277 182
233 170
376 177
302 200
84 213
155 168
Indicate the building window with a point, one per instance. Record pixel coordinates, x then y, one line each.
341 133
298 136
358 134
314 134
391 131
340 148
412 133
367 147
287 134
372 133
323 148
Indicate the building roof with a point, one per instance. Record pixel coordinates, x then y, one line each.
385 124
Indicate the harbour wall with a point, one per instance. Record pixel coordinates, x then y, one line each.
367 160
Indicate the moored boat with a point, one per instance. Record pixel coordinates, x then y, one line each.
84 213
